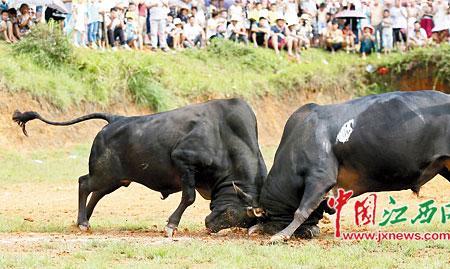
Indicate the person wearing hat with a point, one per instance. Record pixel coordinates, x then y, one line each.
280 36
236 31
368 44
175 32
293 34
305 32
334 37
183 15
261 33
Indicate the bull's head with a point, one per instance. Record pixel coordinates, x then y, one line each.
242 211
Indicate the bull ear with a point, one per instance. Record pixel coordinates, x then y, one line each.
241 194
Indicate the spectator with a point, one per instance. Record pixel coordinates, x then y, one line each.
280 37
305 32
236 10
131 31
212 26
158 13
261 33
80 19
322 19
399 24
334 37
349 38
142 24
175 34
292 34
368 42
93 22
417 37
199 17
236 31
290 11
184 15
4 5
193 34
25 19
15 23
388 32
427 19
376 19
273 14
115 26
257 12
6 28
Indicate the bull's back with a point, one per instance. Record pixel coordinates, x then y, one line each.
395 136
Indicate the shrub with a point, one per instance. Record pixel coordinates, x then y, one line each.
47 46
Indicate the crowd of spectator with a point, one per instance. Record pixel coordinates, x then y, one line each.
364 26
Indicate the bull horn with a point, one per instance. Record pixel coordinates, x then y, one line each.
255 212
247 197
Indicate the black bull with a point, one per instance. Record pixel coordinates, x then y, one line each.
386 142
211 147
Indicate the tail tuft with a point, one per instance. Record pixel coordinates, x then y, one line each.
23 118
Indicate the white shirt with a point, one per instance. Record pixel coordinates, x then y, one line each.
191 31
398 15
160 11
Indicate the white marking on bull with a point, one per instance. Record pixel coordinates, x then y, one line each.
345 132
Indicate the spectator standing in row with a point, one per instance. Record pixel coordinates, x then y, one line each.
388 38
376 19
399 25
158 14
93 22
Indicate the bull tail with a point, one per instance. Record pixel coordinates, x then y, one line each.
23 118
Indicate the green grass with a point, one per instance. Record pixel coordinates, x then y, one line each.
162 81
234 254
46 66
59 170
52 166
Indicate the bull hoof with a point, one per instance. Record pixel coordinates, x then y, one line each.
308 231
84 227
278 238
169 231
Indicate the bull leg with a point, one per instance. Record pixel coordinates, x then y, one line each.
83 193
187 199
315 190
96 196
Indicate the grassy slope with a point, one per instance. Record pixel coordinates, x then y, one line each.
163 81
46 65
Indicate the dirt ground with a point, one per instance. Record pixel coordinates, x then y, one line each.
136 214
